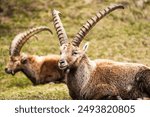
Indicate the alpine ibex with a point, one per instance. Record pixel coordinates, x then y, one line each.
101 78
39 69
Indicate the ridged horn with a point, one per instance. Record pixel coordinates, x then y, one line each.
61 33
92 22
21 39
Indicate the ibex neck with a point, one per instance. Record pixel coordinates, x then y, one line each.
79 76
83 71
30 75
31 70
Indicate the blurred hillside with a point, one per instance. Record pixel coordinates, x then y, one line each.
123 35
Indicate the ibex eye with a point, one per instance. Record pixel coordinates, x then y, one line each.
74 53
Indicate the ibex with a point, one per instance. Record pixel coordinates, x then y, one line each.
101 78
39 69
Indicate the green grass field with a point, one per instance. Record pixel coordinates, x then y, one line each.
124 35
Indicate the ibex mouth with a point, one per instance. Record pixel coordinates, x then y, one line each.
12 73
9 71
62 64
63 67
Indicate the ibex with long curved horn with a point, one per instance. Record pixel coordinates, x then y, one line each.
39 69
101 79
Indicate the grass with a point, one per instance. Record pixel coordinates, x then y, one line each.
53 91
124 35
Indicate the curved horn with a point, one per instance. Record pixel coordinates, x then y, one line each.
59 27
21 38
92 21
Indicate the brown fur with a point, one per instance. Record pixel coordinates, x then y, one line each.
103 79
39 69
50 71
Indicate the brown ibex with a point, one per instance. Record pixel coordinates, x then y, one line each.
39 69
101 78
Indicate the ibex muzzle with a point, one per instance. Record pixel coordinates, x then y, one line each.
9 71
14 65
62 64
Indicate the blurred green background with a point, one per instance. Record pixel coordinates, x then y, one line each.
123 35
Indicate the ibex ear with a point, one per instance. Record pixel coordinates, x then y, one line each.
85 47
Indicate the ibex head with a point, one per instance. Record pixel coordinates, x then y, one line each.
15 64
71 55
17 60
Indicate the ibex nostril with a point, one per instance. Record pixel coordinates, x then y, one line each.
6 69
61 62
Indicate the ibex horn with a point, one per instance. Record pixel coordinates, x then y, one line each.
91 23
21 39
59 27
